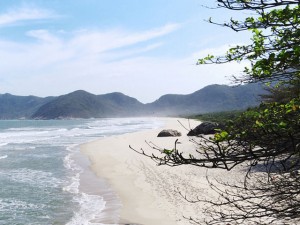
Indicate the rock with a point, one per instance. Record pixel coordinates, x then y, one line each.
204 128
169 133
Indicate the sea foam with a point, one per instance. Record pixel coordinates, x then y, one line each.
40 179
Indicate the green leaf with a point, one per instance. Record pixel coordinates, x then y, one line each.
167 151
282 124
259 123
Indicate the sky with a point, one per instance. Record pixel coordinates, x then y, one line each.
144 49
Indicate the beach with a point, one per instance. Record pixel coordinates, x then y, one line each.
42 171
149 194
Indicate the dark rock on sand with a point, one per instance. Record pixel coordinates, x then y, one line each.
169 133
204 128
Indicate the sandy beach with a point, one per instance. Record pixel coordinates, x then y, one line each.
148 193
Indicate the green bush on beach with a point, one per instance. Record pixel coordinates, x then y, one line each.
265 140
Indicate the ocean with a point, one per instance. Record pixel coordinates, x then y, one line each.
39 173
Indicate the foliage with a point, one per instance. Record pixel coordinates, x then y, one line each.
282 93
268 135
266 138
275 49
218 117
255 136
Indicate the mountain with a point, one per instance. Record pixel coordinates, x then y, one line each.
212 98
81 104
17 107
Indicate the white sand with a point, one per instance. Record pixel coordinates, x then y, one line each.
149 193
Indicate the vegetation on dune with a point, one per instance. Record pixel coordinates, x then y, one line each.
265 138
218 117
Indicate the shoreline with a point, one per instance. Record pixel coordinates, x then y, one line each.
139 184
92 185
149 194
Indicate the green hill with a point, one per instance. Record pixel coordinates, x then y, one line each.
18 107
212 98
81 104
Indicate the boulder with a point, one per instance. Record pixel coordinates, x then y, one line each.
204 128
169 133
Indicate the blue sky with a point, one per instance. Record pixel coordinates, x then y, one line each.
142 48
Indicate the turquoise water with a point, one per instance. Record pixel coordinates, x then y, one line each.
39 178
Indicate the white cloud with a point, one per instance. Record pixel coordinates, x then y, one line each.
24 14
100 41
154 33
121 54
43 35
102 62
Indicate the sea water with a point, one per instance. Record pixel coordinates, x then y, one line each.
39 177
